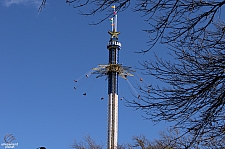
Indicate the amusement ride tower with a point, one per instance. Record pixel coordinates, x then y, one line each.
112 70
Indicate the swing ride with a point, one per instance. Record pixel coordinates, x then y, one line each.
80 82
112 71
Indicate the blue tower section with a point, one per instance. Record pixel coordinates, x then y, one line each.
113 46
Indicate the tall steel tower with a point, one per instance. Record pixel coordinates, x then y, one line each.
112 70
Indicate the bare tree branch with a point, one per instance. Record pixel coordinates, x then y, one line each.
88 143
195 92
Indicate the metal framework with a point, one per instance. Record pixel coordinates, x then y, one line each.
112 70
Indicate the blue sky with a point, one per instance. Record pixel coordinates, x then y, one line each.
41 53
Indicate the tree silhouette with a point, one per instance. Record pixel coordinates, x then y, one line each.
168 140
193 94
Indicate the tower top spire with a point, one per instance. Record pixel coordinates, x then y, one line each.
113 20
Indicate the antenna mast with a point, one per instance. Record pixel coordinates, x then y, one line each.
112 71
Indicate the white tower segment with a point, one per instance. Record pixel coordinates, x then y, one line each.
112 71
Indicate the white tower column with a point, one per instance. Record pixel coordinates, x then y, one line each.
112 121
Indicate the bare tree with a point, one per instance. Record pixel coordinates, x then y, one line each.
168 140
88 143
194 96
138 142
